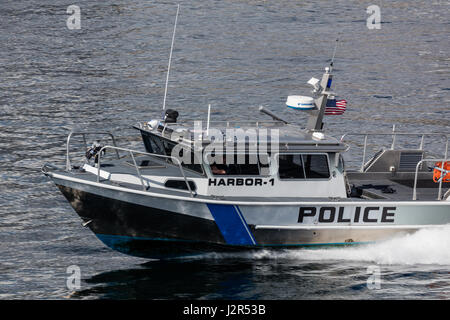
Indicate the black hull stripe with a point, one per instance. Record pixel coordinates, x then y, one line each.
115 217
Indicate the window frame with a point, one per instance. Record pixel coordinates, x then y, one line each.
168 141
240 176
277 158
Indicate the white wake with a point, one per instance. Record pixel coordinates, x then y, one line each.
426 246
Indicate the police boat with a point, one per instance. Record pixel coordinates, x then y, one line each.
241 185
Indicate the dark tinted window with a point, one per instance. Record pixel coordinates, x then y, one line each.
309 166
158 145
291 166
168 146
245 165
194 163
153 144
316 166
162 146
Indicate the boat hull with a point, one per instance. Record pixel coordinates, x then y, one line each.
145 225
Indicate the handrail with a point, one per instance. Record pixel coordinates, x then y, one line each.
227 123
137 168
394 134
84 133
440 181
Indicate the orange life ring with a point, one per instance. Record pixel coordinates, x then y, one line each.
437 172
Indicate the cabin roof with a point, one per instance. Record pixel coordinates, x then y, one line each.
290 137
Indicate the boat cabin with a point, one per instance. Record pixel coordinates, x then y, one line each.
294 163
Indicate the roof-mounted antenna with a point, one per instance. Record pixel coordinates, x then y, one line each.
334 53
170 57
322 92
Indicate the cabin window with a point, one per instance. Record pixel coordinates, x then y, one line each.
316 166
168 146
243 166
291 166
157 145
194 163
303 166
154 144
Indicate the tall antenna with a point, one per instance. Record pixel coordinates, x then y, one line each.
170 57
334 53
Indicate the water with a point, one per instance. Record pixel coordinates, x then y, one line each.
235 55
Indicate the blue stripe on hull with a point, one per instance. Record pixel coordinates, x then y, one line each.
232 224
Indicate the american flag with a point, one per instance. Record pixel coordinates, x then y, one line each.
335 107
